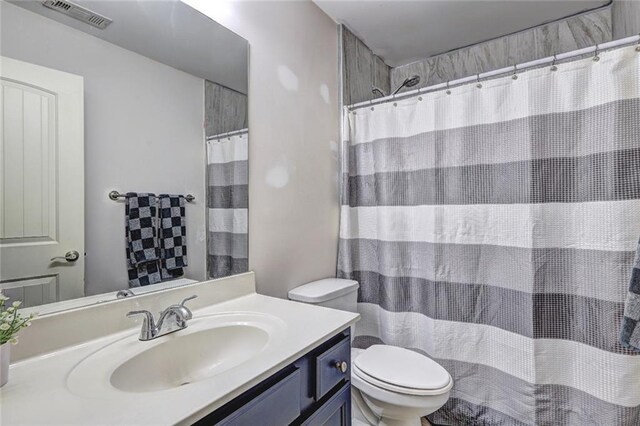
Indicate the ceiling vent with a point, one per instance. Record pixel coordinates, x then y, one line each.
78 12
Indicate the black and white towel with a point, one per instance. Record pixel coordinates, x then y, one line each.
141 224
630 333
173 246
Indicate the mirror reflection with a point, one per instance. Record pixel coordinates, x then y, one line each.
110 183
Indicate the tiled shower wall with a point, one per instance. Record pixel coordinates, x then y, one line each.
625 15
621 19
557 37
225 109
361 69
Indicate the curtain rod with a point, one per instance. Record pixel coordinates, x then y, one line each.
224 135
507 70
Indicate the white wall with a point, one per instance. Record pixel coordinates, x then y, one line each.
293 147
143 133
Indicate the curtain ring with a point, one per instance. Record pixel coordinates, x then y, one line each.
553 63
515 72
479 85
596 57
448 89
371 104
638 46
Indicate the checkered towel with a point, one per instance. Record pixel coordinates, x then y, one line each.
630 334
173 246
141 225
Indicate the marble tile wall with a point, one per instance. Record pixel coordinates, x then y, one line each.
626 18
225 109
556 37
361 69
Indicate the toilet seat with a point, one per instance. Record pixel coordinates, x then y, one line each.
402 371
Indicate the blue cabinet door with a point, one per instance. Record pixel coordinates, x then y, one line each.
335 412
310 391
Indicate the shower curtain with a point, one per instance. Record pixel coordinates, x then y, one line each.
227 202
494 230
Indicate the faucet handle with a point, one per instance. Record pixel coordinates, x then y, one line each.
148 325
188 313
148 314
187 299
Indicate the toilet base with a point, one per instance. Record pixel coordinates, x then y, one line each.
361 414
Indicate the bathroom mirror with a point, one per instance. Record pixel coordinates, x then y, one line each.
110 184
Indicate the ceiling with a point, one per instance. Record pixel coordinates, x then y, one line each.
401 31
166 31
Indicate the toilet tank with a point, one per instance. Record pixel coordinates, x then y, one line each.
336 293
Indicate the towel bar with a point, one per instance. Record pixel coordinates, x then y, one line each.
115 196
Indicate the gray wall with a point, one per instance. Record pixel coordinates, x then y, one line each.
143 132
225 109
361 69
620 20
294 114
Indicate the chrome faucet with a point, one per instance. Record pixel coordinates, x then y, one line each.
172 319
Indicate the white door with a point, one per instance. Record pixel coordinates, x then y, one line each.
41 183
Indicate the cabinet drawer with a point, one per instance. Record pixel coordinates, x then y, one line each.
278 405
327 373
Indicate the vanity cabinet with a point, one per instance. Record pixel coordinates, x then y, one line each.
313 390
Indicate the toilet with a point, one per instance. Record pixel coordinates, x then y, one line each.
391 386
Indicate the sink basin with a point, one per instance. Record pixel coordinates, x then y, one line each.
207 348
189 358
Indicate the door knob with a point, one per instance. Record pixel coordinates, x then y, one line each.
70 256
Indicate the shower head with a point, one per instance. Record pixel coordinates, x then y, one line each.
377 91
408 82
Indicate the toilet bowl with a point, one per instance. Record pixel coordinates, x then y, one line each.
396 386
391 386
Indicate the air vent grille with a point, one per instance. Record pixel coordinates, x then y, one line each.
78 12
60 5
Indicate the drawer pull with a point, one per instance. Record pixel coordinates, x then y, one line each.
342 366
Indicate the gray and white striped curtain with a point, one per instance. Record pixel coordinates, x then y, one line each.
227 201
494 230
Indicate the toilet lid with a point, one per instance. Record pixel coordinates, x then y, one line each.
401 368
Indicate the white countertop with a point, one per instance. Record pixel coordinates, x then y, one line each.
38 392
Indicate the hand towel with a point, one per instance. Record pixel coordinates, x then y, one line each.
630 333
173 242
141 224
